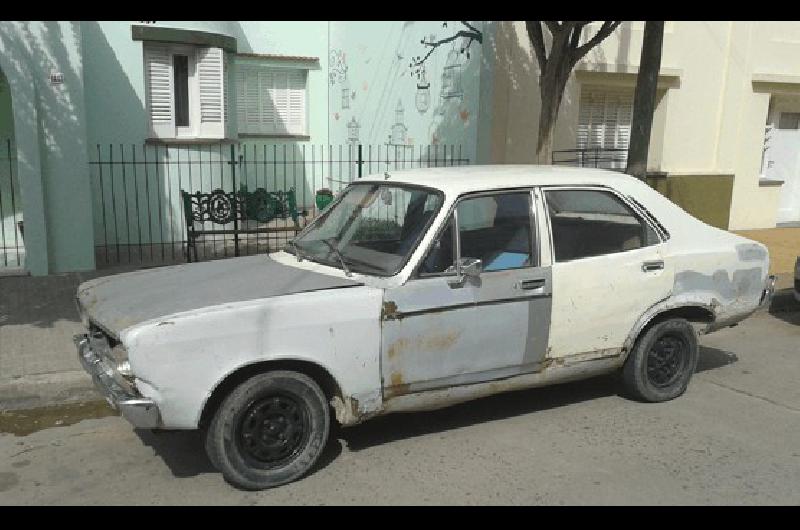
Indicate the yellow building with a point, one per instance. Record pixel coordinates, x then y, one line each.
726 132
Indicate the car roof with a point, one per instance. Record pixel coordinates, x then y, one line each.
464 179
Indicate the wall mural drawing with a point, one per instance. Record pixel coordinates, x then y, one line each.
423 98
442 87
352 131
338 74
399 129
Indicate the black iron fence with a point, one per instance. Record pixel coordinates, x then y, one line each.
12 246
139 217
614 159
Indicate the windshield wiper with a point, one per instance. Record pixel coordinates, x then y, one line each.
333 248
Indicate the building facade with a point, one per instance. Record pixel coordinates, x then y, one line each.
725 143
87 107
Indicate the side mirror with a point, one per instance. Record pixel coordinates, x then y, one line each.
466 268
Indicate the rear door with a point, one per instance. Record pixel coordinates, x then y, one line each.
609 267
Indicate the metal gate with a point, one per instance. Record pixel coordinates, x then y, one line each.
12 245
139 215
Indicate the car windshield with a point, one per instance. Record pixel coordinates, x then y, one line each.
371 229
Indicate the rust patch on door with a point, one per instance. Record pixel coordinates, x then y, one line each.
428 343
389 311
398 387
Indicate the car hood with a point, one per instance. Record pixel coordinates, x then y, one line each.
120 301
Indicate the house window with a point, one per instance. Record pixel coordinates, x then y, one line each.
185 91
181 83
604 125
789 120
271 100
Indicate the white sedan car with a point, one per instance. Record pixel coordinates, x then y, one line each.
415 290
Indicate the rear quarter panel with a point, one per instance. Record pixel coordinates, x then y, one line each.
715 269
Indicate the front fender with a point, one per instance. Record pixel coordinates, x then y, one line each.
182 358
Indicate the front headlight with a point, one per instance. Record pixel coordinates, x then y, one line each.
124 369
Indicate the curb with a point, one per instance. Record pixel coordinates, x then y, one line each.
33 391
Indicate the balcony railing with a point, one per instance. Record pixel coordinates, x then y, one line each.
614 159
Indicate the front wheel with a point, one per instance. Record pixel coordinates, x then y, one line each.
269 431
662 361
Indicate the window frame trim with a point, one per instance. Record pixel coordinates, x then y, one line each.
536 247
598 187
179 133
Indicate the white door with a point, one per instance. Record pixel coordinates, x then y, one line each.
439 332
783 160
609 268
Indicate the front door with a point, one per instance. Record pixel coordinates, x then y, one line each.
440 329
782 158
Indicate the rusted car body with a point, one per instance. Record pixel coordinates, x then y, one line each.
591 259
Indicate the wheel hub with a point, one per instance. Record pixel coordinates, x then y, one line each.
273 430
665 360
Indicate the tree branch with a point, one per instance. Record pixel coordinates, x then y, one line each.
553 26
605 30
575 38
534 28
473 35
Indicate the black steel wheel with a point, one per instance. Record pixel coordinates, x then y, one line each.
270 430
666 360
662 361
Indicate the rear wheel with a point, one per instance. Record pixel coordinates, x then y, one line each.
662 361
269 431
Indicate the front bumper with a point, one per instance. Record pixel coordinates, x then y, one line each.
140 411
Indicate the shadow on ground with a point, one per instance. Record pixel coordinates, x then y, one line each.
785 307
184 452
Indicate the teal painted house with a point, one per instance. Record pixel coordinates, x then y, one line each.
104 124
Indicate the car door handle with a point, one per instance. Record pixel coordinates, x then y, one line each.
650 266
527 285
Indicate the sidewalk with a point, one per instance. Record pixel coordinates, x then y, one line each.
784 247
38 361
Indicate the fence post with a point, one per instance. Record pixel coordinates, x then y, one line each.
234 203
360 160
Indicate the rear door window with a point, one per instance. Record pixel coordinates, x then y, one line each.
588 223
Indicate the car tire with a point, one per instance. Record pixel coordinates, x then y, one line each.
270 430
662 361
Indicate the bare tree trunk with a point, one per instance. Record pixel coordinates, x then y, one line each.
565 51
552 90
644 99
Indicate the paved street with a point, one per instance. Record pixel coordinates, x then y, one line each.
733 438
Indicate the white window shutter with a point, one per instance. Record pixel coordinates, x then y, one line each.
604 121
229 114
270 100
267 114
241 98
280 99
211 83
158 77
297 102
